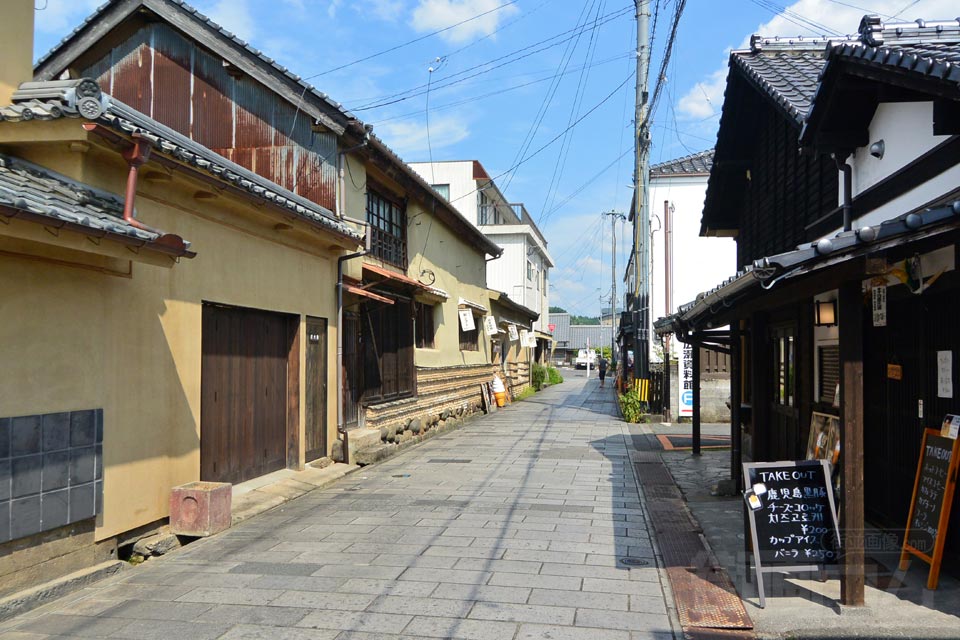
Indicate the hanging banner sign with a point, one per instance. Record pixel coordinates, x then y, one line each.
512 329
466 320
879 305
524 342
685 382
532 340
490 325
944 374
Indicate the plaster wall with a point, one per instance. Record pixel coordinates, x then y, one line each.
74 338
699 264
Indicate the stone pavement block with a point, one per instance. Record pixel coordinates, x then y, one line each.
80 626
482 593
629 587
465 552
511 543
622 620
425 562
589 547
522 613
145 610
257 632
422 606
218 595
544 556
273 615
150 630
557 598
447 575
536 582
296 583
510 566
388 587
359 571
587 571
380 547
270 569
435 541
461 629
356 621
317 547
553 632
144 592
311 557
324 600
647 604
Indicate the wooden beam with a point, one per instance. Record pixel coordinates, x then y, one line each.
851 411
736 455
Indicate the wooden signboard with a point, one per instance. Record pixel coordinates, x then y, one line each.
793 516
930 506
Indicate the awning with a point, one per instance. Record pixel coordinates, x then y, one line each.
425 289
812 257
360 291
473 305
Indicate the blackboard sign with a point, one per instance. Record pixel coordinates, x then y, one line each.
793 518
930 507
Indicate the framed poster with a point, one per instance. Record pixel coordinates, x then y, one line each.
824 440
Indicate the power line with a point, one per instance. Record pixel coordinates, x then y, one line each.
409 42
545 216
502 60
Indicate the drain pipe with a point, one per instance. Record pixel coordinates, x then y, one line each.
136 156
847 172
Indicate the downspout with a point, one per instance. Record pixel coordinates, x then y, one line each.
847 172
136 156
342 159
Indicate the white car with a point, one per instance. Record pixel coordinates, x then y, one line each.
585 357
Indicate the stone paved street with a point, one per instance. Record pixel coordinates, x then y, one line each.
513 527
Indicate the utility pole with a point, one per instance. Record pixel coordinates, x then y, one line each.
614 216
641 236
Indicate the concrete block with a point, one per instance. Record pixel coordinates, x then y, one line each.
83 465
24 517
54 509
200 508
26 475
56 470
82 504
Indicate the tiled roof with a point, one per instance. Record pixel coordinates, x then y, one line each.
112 113
693 164
787 71
29 188
926 48
204 20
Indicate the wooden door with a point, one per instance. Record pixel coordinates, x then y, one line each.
243 403
352 370
316 389
784 433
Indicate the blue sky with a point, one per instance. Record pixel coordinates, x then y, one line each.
506 84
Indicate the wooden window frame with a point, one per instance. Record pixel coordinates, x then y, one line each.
470 340
425 326
389 371
388 227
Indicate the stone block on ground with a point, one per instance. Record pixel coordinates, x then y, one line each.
156 545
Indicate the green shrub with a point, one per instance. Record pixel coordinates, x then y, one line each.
553 376
523 395
631 407
538 374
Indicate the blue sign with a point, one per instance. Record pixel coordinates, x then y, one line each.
687 398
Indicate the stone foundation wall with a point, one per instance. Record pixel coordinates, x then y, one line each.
454 391
518 374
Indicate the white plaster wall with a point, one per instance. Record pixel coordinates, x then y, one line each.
699 264
459 175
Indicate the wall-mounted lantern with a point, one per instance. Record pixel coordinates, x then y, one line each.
826 312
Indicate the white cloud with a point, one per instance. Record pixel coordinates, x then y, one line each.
234 16
386 10
431 15
57 16
706 96
409 139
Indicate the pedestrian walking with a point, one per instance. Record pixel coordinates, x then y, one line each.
602 368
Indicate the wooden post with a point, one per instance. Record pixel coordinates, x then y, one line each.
696 398
851 412
736 455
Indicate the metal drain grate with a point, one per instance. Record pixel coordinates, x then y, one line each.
635 562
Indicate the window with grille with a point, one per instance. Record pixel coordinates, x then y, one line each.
388 229
387 337
425 328
828 372
470 340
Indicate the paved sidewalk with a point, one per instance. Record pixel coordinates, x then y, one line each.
514 527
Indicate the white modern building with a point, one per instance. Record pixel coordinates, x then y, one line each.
522 272
677 192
